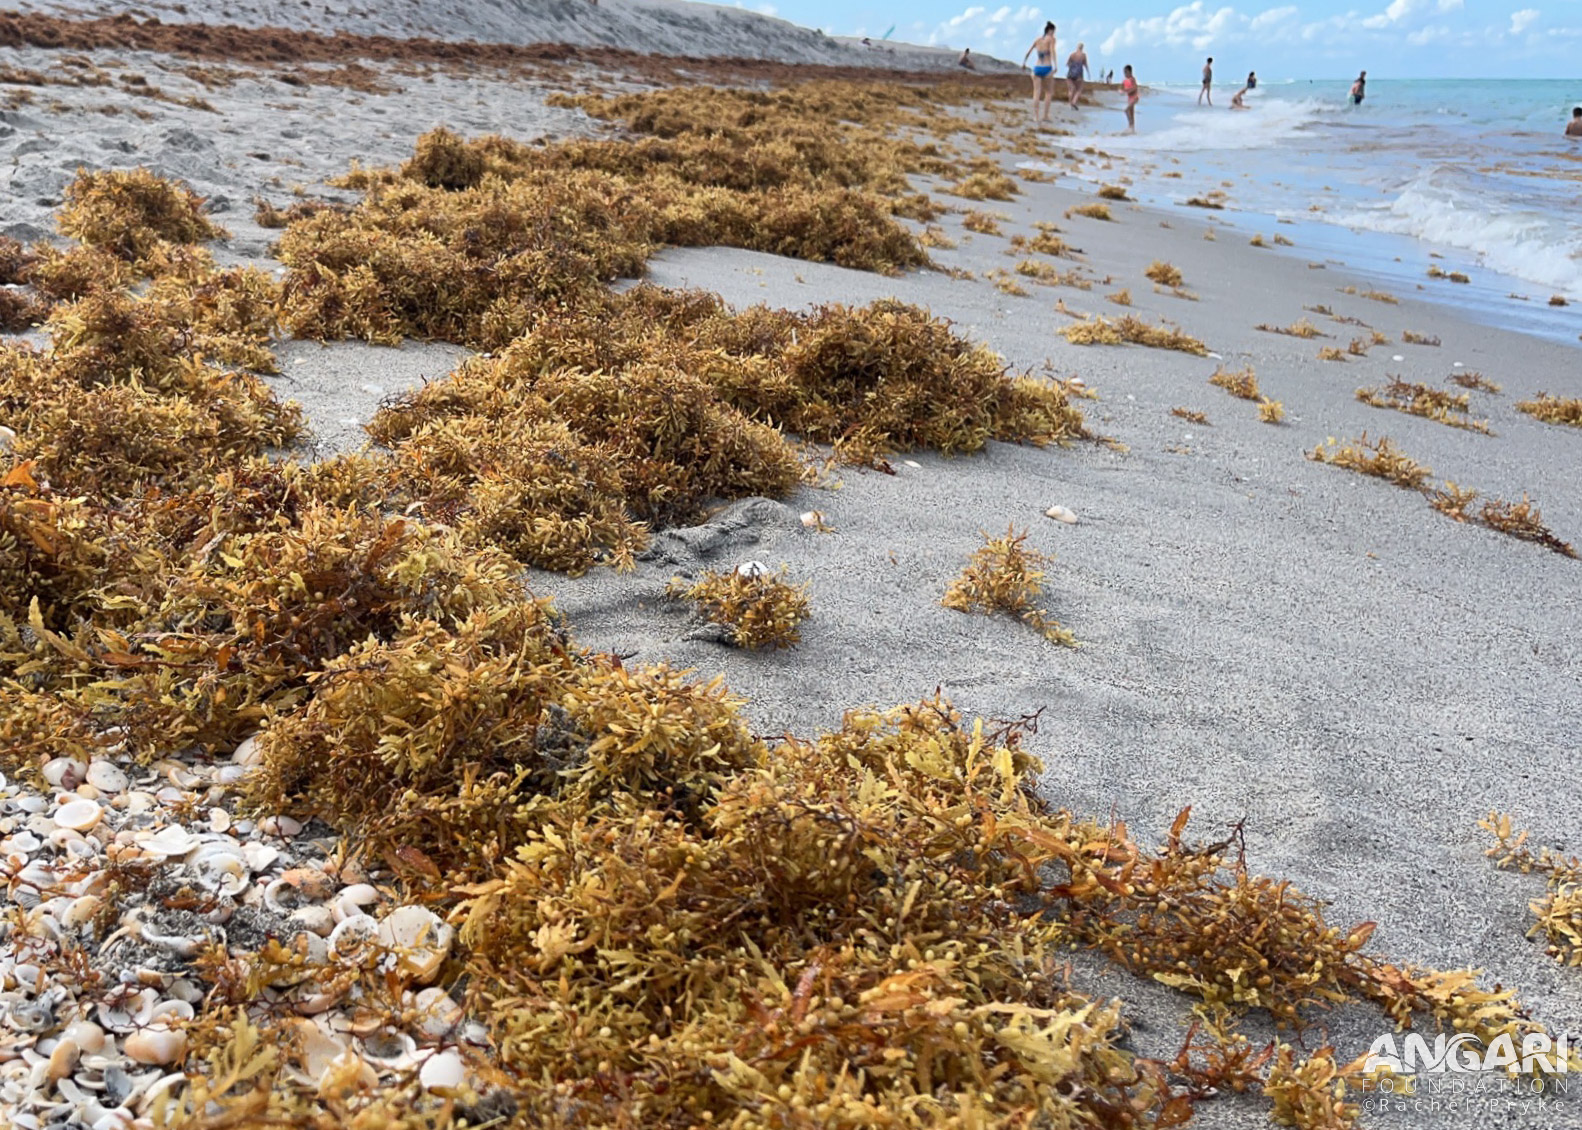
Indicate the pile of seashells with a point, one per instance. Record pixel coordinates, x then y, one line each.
119 878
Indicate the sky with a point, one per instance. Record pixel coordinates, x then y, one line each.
1167 40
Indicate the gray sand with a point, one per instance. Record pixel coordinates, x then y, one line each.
1265 638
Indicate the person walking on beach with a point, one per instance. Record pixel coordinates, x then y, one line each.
1043 72
1574 126
1129 88
1076 71
1359 89
1208 81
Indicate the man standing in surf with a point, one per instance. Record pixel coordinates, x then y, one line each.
1043 73
1359 89
1208 82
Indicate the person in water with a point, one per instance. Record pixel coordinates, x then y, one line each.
1129 88
1252 80
1076 71
1043 72
1208 82
1359 89
1236 102
1574 126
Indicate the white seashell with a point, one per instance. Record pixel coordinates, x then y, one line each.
352 899
182 989
26 842
752 569
86 1035
64 772
7 438
78 815
913 463
170 841
260 857
317 919
1397 357
1061 514
317 1048
436 1014
118 1119
391 1047
139 802
107 776
283 826
419 939
220 867
351 940
315 1003
443 1071
169 1010
219 820
156 1045
813 519
247 753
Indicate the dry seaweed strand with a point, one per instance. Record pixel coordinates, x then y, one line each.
1551 409
1004 575
1415 399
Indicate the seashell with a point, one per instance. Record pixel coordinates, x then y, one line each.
317 919
107 776
436 1014
182 945
138 802
260 857
170 841
153 1090
1061 514
182 989
752 569
316 885
82 911
316 1048
31 803
390 1047
913 463
63 1060
442 1071
219 820
419 939
283 826
346 1075
314 1003
220 867
64 772
248 753
156 1045
351 940
86 1035
118 1119
813 519
24 842
352 899
167 1011
30 1016
78 815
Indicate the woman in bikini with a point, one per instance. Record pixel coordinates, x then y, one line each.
1043 72
1129 88
1076 71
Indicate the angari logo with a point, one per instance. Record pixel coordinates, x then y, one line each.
1464 1052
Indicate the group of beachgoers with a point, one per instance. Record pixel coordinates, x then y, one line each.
1077 73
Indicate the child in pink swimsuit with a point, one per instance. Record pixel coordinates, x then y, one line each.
1129 86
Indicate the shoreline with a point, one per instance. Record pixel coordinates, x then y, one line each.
1267 639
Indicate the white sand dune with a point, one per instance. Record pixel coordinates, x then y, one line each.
661 27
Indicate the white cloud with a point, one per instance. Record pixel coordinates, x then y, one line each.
1452 5
1189 24
1524 19
1271 17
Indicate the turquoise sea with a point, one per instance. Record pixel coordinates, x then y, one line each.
1472 176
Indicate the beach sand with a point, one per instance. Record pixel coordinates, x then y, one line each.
1315 655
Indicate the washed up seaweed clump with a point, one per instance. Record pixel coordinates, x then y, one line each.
758 609
474 241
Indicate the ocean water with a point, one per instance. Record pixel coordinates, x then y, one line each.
1469 176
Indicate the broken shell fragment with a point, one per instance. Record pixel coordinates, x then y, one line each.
1061 514
156 1045
419 939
